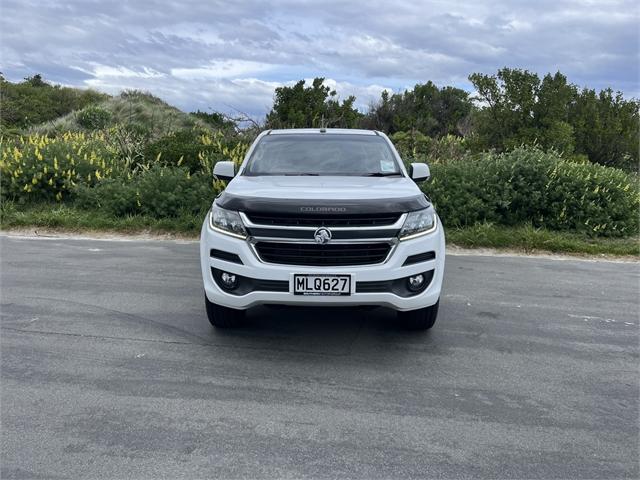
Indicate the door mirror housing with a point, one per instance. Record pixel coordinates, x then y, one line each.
420 172
224 170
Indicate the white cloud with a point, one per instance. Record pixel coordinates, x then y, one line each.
198 55
517 25
107 71
221 69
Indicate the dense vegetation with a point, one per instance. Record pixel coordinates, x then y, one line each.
532 154
317 105
34 101
520 109
512 108
427 109
527 185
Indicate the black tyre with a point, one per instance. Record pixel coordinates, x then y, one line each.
223 317
421 319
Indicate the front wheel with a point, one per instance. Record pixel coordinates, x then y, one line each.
421 319
223 317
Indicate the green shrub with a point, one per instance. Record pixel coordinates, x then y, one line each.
158 192
577 158
128 143
35 101
216 120
449 148
411 144
179 148
93 118
168 192
415 146
113 196
528 185
601 200
196 150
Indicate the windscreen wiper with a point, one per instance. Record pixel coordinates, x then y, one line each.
382 174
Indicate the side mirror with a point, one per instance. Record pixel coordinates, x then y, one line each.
224 171
419 172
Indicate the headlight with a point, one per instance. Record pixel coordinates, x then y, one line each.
227 221
418 223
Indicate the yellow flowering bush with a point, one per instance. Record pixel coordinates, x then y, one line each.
196 149
109 170
37 167
219 150
234 152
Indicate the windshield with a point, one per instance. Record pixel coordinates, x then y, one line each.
322 154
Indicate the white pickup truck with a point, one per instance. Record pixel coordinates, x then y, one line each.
322 217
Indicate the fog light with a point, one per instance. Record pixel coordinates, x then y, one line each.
416 282
228 280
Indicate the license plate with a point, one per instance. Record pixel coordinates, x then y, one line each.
321 284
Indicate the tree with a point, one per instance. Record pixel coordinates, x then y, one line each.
427 109
508 99
300 106
551 112
517 108
606 128
36 81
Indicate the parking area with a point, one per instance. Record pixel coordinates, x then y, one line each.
111 370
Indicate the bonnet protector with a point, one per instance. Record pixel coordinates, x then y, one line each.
321 206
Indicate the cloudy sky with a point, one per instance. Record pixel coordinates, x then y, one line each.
229 55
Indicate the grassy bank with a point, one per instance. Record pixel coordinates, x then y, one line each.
523 238
70 219
529 239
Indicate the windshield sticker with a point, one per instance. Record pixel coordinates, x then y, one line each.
387 166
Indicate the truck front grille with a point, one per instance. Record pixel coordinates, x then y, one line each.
359 220
332 255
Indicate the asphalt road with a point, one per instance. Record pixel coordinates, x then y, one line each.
111 370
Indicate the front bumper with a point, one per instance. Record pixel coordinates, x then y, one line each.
252 267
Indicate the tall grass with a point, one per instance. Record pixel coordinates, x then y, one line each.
136 109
